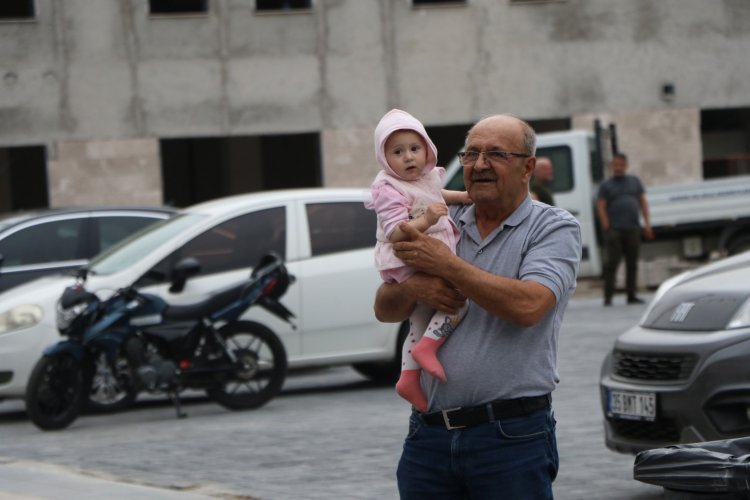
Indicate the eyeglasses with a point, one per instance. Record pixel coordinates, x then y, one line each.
469 158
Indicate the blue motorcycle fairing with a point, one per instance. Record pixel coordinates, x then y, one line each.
132 309
111 342
108 342
66 347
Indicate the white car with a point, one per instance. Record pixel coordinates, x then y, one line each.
326 237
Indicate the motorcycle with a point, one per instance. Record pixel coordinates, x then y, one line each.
139 342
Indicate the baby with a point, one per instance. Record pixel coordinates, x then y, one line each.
409 188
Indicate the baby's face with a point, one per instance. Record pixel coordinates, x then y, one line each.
406 154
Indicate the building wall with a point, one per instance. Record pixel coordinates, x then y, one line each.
663 147
108 71
105 172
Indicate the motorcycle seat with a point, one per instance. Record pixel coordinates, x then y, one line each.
215 302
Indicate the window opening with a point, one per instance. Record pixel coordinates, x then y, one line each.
268 5
437 2
725 137
23 178
17 9
178 6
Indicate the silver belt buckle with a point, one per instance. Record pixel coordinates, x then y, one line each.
447 419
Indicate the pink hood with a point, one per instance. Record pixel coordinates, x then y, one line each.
395 120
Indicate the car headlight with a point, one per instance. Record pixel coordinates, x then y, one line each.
741 318
23 316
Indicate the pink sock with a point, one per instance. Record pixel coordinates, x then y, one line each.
425 353
408 387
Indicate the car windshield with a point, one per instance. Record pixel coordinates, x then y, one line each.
141 244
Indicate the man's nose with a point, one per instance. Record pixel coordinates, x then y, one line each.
482 162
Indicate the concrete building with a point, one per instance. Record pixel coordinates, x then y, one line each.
151 101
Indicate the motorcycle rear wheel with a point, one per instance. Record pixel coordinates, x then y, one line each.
56 392
265 366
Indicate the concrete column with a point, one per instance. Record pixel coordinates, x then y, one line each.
105 172
348 157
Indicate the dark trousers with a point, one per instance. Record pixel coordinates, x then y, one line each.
509 459
619 242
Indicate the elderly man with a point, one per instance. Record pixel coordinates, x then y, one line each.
489 431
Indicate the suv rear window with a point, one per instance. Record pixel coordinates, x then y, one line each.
53 241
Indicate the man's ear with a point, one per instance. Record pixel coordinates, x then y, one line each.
529 167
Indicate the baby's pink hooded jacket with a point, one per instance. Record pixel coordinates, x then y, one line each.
396 200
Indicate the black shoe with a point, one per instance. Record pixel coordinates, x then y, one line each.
607 302
635 300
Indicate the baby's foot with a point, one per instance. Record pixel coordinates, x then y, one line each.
425 353
409 388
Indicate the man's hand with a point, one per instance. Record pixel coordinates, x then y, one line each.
422 252
435 292
394 302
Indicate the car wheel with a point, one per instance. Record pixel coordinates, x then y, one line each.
389 371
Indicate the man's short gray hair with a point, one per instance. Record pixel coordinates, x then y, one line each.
529 135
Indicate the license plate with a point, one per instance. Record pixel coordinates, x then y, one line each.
631 405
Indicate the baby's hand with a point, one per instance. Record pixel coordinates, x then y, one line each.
435 211
465 199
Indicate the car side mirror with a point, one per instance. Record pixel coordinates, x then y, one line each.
187 267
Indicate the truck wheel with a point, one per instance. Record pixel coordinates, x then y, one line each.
386 372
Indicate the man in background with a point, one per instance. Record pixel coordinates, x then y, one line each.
541 182
620 202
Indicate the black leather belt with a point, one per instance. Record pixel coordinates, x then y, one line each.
457 418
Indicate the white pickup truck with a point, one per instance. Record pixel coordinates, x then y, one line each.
692 222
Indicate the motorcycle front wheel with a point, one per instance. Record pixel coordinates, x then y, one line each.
56 392
263 371
112 387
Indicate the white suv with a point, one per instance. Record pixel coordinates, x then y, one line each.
326 237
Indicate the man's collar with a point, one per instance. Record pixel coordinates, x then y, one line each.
469 216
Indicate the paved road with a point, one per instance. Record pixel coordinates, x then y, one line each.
331 434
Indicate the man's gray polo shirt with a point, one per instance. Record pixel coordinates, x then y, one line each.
487 358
